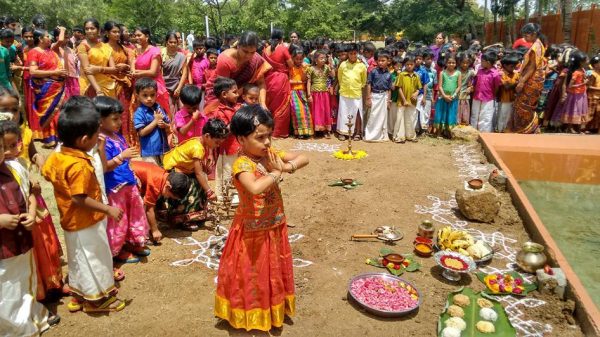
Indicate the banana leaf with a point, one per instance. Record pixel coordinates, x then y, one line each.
502 325
412 266
525 287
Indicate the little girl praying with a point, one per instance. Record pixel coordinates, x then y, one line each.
255 288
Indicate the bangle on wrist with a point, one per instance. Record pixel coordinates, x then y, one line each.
294 167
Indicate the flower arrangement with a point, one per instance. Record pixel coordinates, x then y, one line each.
345 155
511 283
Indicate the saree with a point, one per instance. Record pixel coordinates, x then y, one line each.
98 55
255 283
227 66
48 96
124 91
28 91
524 118
172 68
143 61
278 89
46 247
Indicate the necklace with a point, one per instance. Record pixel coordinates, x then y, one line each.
259 166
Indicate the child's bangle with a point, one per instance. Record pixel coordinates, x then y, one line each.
294 167
274 177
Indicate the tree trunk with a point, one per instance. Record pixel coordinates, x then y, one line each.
526 10
513 24
485 10
495 31
539 10
566 10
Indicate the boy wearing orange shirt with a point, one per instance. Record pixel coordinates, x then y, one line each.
82 212
507 92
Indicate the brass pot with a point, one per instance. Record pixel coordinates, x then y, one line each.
531 257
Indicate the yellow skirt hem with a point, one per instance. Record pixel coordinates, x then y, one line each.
255 319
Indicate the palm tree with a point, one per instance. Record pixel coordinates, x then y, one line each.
566 8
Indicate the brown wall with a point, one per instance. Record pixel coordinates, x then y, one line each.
585 29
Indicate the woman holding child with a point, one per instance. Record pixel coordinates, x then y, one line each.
242 64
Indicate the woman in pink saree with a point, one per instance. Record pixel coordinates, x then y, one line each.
277 80
243 65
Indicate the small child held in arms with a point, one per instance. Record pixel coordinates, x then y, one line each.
506 94
82 212
250 94
227 93
155 186
258 239
17 220
194 158
189 120
151 122
352 77
128 235
379 86
486 84
408 84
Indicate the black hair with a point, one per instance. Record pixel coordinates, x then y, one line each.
448 57
397 60
531 28
320 42
94 22
212 51
276 36
351 47
576 61
180 183
39 21
383 53
78 29
296 49
444 50
37 36
400 45
463 56
410 57
145 83
9 19
108 26
389 40
595 59
6 33
490 56
427 53
211 43
190 95
216 128
26 29
248 87
369 47
248 39
107 106
9 127
223 84
418 52
510 58
317 53
444 36
553 51
78 117
146 31
197 43
248 118
295 32
170 35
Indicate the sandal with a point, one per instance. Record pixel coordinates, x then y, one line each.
140 250
74 305
112 304
357 138
118 274
126 257
189 226
53 319
341 137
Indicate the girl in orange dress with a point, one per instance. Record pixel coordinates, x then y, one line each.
255 287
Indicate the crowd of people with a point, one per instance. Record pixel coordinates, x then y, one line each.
137 130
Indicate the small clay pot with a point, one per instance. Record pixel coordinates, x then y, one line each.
424 240
347 181
423 249
475 184
394 258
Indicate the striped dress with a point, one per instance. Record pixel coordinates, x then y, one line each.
301 116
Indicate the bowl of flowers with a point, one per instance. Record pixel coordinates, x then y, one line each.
510 283
384 294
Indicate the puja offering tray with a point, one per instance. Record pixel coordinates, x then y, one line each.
384 295
454 264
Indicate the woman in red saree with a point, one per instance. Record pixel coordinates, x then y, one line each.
277 80
524 118
243 65
48 86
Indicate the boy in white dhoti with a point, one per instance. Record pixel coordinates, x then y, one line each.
379 86
352 76
409 85
82 211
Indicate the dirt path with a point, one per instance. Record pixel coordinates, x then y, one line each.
178 301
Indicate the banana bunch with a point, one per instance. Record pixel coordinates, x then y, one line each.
455 240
